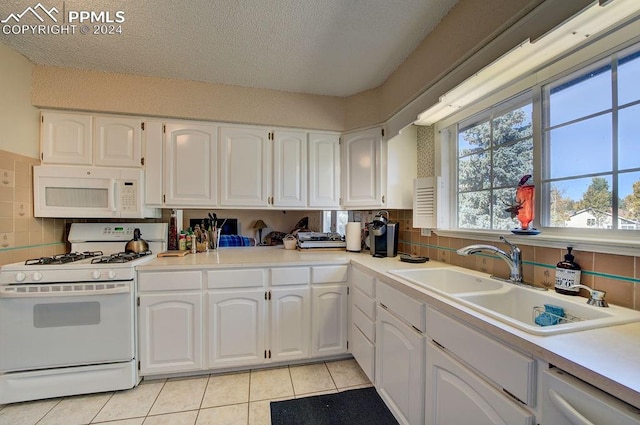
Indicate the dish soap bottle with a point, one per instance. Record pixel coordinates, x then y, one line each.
567 274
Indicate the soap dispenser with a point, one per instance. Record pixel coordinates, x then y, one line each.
567 274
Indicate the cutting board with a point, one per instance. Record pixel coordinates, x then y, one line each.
175 253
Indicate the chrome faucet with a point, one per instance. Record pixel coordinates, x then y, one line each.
513 259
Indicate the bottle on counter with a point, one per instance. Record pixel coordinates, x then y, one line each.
182 241
172 243
567 274
189 234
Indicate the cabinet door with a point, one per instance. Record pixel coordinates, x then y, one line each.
65 138
363 351
190 165
118 142
328 320
455 394
363 168
170 333
153 167
290 323
245 167
400 368
236 328
289 169
324 170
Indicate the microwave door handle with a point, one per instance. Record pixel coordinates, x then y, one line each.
114 185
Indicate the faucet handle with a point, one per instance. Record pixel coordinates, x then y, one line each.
596 298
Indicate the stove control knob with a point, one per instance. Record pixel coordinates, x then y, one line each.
20 277
37 276
111 274
95 274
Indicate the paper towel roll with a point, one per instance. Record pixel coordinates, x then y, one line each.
353 238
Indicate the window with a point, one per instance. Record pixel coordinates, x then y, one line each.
494 150
335 221
584 130
591 145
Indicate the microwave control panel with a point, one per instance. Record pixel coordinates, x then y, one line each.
129 196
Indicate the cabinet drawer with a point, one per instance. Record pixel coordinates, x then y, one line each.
364 303
364 352
510 369
364 282
403 306
290 276
244 278
169 281
329 274
366 325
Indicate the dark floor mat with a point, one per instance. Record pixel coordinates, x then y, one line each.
353 407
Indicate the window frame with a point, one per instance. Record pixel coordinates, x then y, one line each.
597 240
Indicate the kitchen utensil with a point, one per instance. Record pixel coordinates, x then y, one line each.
137 244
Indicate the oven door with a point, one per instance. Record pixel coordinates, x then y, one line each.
54 325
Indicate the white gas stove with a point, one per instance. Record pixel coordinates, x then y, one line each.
67 322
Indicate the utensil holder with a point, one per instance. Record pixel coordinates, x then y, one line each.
214 238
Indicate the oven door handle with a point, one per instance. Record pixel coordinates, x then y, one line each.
66 290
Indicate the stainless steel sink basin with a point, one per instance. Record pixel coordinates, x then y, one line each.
516 305
449 281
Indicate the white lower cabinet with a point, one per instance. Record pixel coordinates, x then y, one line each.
456 395
363 325
472 375
400 367
236 327
170 318
329 320
290 323
170 332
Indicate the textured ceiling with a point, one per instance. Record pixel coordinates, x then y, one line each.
329 47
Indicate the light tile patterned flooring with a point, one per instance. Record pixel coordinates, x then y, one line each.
233 399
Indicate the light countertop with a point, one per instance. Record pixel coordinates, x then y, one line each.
608 358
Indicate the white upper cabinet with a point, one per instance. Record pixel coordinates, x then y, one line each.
245 166
82 139
65 138
190 165
364 169
152 163
117 141
402 169
289 169
324 170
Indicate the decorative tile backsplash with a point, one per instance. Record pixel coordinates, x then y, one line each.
23 236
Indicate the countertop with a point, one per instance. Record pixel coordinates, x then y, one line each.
608 358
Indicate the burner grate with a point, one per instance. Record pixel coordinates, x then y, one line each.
69 257
120 257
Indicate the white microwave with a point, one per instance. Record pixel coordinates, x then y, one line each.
88 192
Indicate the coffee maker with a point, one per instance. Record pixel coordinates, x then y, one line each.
383 236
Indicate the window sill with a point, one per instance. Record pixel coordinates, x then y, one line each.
614 245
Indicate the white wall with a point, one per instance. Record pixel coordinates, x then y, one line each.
18 118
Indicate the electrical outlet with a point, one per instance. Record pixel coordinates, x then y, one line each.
425 232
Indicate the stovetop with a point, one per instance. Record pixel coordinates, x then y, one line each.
88 266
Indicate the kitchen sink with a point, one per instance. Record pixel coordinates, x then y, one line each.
517 306
449 281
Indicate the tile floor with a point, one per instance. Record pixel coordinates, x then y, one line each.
233 399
